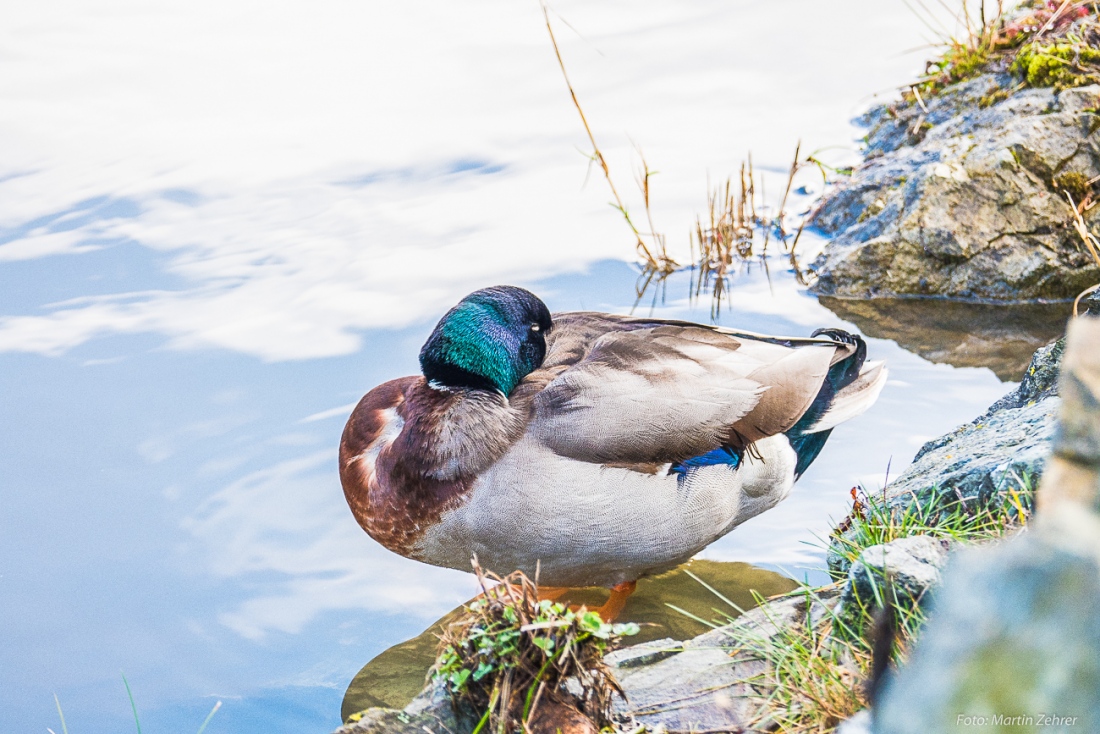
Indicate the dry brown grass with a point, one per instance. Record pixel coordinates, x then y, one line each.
656 263
729 235
1088 238
737 231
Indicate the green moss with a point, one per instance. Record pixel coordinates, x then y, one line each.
999 95
959 63
1076 184
1060 65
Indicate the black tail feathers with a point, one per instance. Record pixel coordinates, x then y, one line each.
808 445
845 371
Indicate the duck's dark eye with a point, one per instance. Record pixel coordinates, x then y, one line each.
536 327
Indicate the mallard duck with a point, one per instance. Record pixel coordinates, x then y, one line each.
591 448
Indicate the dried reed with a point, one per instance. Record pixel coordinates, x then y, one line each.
733 227
1083 232
727 237
656 262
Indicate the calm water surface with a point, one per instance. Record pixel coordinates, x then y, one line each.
177 516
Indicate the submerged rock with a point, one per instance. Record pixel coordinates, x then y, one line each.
965 199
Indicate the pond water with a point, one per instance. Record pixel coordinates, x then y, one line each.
221 223
177 516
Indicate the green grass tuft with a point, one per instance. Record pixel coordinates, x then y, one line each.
874 522
817 671
510 652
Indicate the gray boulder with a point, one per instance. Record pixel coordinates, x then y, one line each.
899 573
965 200
1013 639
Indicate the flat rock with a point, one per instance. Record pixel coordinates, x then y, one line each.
705 684
960 201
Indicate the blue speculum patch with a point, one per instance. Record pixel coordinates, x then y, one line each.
723 455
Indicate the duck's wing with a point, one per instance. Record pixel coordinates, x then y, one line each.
616 389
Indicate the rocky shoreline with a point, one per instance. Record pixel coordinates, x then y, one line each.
965 199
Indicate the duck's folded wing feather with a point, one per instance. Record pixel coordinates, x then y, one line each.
668 392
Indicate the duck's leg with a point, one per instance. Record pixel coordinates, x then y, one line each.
610 609
615 603
551 593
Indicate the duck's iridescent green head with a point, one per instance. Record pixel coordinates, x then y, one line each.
491 340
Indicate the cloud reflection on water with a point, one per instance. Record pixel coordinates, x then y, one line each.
309 172
286 532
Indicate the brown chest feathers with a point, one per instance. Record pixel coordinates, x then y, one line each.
410 452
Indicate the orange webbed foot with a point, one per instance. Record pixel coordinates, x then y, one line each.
613 607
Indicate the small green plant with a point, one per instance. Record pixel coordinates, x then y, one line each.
1077 185
511 652
959 62
994 97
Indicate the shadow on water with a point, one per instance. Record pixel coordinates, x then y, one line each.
999 337
395 676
